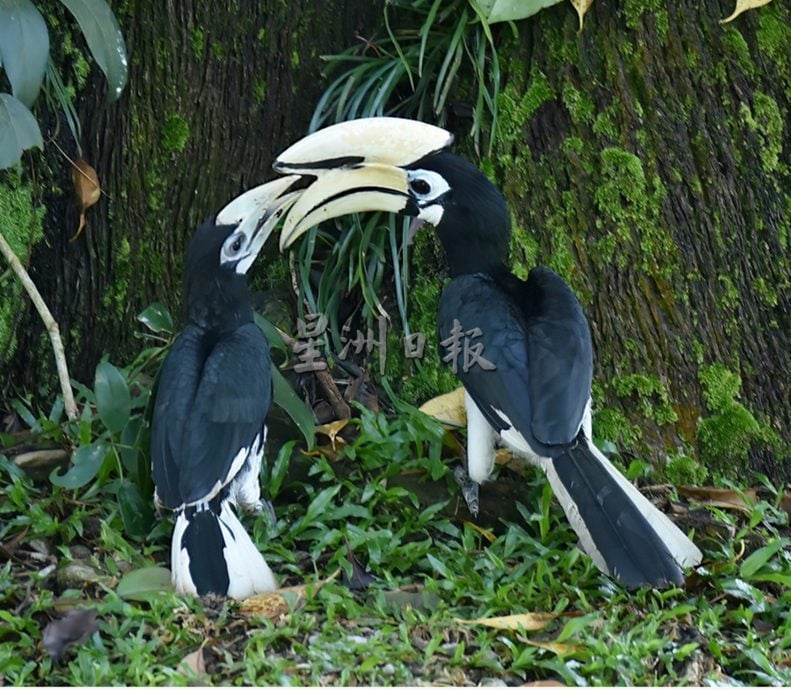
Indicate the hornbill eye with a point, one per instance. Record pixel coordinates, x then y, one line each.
421 187
237 244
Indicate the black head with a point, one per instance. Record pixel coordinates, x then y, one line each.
215 282
468 211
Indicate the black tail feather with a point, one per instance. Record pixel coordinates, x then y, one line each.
629 546
204 543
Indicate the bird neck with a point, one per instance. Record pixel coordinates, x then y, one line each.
218 301
471 249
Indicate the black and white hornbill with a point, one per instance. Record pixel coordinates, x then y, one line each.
531 391
214 391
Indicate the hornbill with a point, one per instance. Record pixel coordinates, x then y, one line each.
522 349
213 394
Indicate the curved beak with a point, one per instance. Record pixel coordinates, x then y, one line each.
337 192
257 211
358 165
383 140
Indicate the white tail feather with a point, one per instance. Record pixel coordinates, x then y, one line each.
248 572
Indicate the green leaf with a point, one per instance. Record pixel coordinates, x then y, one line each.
157 318
18 130
105 40
85 463
276 341
113 401
511 10
144 583
319 504
300 413
760 557
24 48
136 512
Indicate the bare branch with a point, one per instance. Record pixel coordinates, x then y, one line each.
49 323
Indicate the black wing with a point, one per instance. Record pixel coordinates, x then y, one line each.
538 340
214 408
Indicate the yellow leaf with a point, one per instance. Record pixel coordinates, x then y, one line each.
485 533
448 408
743 6
518 621
557 647
193 663
582 7
275 604
332 429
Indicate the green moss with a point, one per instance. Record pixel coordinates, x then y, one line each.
725 437
175 134
682 469
116 297
579 105
605 123
629 207
198 42
21 226
774 37
524 249
737 49
633 11
766 121
651 394
515 105
766 293
611 425
217 50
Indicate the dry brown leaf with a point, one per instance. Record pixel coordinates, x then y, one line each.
448 408
719 498
273 605
86 189
485 533
193 663
582 7
785 504
743 6
332 429
518 621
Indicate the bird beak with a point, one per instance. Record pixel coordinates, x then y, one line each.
257 212
359 165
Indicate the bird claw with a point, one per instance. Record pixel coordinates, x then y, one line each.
264 507
469 489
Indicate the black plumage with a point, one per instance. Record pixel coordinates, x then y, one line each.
533 387
213 395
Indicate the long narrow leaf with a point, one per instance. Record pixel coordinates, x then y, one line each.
104 39
18 130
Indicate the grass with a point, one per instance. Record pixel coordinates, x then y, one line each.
383 501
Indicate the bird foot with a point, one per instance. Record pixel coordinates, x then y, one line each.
264 507
469 489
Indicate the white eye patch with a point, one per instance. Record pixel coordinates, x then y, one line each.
234 248
426 186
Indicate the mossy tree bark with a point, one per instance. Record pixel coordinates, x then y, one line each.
646 159
213 95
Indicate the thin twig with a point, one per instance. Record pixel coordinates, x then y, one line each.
49 323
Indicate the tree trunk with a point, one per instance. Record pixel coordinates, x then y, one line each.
213 94
646 160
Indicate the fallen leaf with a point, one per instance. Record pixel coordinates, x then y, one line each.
485 533
273 605
332 429
74 628
86 189
582 7
193 663
518 621
42 458
557 647
719 498
743 6
447 408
